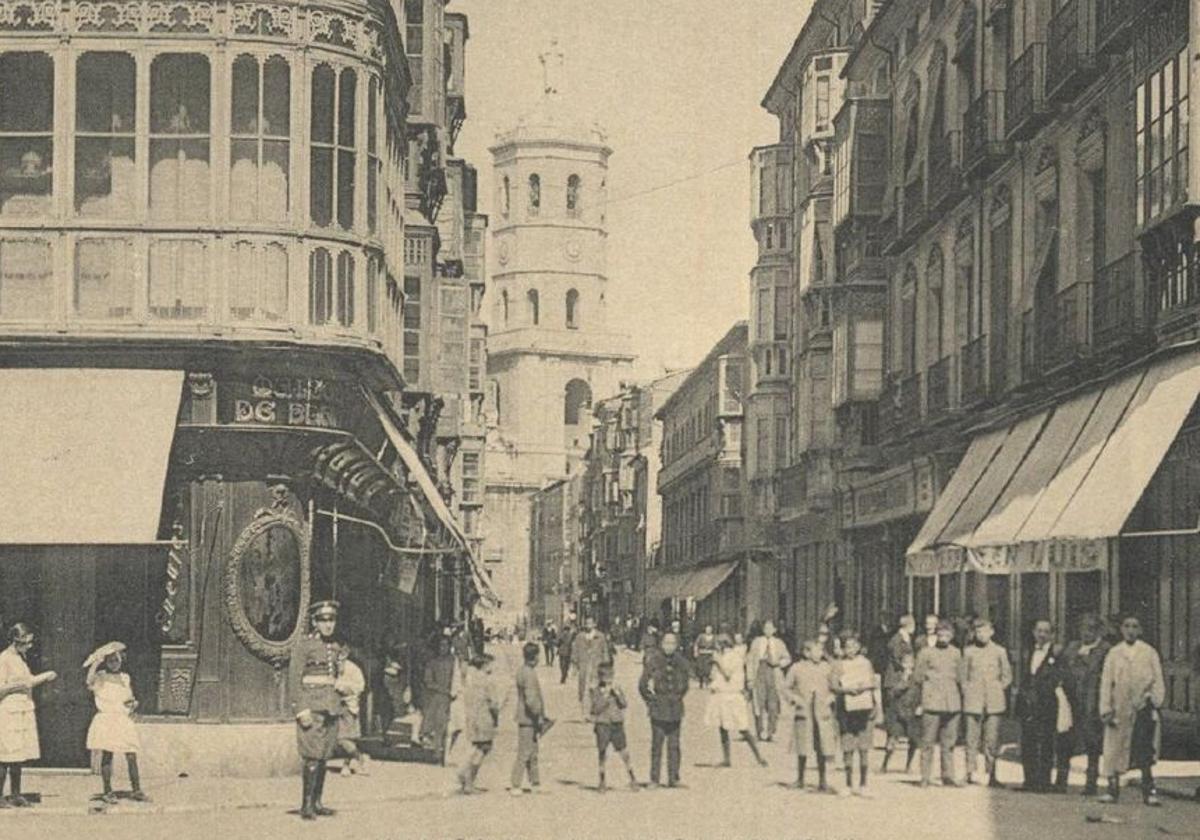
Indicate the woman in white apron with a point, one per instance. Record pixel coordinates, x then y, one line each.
18 720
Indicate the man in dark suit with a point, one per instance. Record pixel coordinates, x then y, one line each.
1042 675
1084 663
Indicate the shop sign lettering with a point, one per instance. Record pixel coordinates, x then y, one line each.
281 401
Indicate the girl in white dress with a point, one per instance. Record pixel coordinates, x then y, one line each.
18 716
728 709
112 730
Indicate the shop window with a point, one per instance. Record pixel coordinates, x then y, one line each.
180 137
26 275
26 133
572 309
105 156
577 396
103 279
535 194
320 287
531 299
344 299
258 282
573 189
259 148
331 176
178 288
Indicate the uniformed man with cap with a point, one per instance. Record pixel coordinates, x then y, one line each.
312 675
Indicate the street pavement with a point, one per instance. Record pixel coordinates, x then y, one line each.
418 801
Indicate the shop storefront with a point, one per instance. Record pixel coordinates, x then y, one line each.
699 595
194 515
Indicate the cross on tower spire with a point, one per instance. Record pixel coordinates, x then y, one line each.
552 59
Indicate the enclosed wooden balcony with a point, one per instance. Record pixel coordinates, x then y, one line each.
1072 60
939 389
913 213
945 171
1058 337
1026 106
1119 312
1114 24
985 143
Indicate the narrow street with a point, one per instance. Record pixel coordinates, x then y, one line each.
414 801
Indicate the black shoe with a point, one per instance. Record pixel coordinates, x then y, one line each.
321 811
992 783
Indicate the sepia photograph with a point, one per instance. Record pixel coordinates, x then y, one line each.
599 419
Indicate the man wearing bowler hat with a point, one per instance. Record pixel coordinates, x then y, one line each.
312 675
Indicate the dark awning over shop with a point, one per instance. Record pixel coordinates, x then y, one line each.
696 583
84 453
1049 490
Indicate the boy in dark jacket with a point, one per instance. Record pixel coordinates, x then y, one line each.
608 713
664 682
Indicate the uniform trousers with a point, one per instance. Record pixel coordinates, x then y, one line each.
668 731
941 729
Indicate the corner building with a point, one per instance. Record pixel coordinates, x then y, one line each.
202 334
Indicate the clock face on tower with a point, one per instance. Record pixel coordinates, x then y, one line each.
573 249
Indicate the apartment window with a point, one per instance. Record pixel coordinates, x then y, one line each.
26 133
105 149
935 317
475 365
26 275
344 303
320 287
374 272
531 299
783 313
908 320
179 137
572 309
470 478
762 440
104 287
821 103
259 148
412 328
178 287
535 194
763 314
331 184
781 441
573 196
1161 122
452 316
374 163
258 282
414 48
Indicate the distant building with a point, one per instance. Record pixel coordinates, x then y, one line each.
549 348
554 572
702 567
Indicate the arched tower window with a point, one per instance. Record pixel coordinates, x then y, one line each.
531 298
572 309
506 196
573 196
504 304
535 194
576 397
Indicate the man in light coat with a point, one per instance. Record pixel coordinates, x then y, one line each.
588 650
1132 690
987 674
938 672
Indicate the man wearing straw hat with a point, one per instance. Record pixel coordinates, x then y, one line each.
312 678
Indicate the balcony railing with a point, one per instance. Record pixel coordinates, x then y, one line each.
945 170
1118 311
1072 48
1114 24
1026 105
983 131
1060 335
914 204
938 389
974 367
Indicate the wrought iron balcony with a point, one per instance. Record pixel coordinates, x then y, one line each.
945 170
1118 311
984 140
913 212
1060 335
974 372
1072 62
1026 107
1114 24
939 397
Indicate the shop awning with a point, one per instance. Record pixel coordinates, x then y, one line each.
417 472
696 583
979 455
1065 480
83 454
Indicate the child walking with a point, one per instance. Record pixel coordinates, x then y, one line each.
607 705
857 687
814 731
112 730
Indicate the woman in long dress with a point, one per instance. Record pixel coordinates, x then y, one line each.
728 709
18 716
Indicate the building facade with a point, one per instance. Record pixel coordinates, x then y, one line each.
202 332
555 571
621 513
701 571
550 350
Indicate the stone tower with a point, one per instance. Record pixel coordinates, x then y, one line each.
550 352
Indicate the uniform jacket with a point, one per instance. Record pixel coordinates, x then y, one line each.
939 674
664 682
482 701
987 674
898 647
1038 699
530 708
312 671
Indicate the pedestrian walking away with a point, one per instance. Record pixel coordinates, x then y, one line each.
663 684
566 641
549 642
608 704
809 687
1132 691
938 672
312 679
112 730
728 709
859 708
987 675
482 701
530 716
